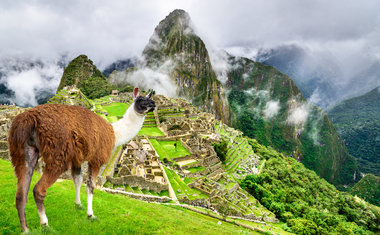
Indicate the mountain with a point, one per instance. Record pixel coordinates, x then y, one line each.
119 65
82 73
368 188
358 122
314 77
267 105
175 41
255 98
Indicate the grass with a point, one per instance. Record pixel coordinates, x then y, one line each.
115 109
166 149
117 214
177 183
196 169
110 163
151 131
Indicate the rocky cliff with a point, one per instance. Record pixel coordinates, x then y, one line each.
174 40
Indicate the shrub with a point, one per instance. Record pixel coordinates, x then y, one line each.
221 150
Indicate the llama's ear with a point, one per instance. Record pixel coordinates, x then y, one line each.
135 92
150 94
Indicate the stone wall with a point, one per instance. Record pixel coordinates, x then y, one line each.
142 197
187 157
138 181
234 188
196 164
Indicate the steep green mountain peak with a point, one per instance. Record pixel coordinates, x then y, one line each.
267 105
79 69
82 73
175 42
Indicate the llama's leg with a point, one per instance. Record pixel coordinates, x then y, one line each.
24 176
92 174
77 178
48 178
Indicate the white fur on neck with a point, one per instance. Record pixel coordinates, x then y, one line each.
128 127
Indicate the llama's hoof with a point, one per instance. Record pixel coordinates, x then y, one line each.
92 217
45 229
78 206
26 231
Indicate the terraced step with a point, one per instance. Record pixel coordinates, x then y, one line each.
4 154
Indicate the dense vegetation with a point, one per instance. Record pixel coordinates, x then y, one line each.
368 188
82 73
358 122
308 204
268 106
96 87
221 149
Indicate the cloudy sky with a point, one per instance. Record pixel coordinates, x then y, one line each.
107 30
348 31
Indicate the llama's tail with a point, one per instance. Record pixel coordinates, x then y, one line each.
20 132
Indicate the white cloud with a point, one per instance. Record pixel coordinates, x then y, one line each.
27 83
298 115
107 31
147 78
271 109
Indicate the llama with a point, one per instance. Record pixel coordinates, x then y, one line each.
66 136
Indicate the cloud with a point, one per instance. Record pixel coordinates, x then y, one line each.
220 64
29 83
298 115
148 78
271 109
115 30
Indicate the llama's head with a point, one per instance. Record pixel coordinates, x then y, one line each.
143 104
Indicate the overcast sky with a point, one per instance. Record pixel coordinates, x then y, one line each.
110 30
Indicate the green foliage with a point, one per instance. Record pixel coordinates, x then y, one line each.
161 119
303 226
252 86
358 121
368 188
221 149
96 87
308 204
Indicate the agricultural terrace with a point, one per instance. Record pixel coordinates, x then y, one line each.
151 131
180 187
150 126
166 149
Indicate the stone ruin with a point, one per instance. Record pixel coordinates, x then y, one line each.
139 166
7 114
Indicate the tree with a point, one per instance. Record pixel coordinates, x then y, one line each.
221 149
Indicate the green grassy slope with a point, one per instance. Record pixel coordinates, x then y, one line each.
368 188
117 214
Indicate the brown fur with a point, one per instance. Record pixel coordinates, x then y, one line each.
64 136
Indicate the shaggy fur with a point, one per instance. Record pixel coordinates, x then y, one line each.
65 137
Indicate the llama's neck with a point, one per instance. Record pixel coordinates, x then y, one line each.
128 127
